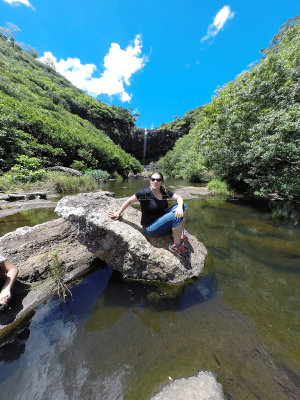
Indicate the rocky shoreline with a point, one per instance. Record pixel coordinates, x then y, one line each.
12 203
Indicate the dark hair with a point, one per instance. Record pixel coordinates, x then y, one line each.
163 189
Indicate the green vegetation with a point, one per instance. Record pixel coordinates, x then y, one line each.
26 174
57 273
61 183
185 123
218 187
52 181
185 162
249 135
43 115
27 169
97 174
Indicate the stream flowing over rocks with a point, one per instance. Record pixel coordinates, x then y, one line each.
122 243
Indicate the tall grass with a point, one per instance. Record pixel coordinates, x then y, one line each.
53 181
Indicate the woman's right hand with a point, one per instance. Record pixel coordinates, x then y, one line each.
114 215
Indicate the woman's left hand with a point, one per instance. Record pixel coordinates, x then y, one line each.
178 212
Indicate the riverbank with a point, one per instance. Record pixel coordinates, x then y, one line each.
12 203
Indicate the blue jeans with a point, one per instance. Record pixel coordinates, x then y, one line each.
165 223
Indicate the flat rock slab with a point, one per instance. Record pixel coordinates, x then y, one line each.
31 249
122 243
191 192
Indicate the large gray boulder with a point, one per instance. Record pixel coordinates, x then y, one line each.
31 249
122 243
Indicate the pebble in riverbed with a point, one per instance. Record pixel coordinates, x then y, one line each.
203 386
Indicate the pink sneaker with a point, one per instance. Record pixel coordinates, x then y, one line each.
184 242
180 251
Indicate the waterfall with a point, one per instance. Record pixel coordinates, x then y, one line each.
145 147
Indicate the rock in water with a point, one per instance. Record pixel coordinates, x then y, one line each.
122 243
31 249
204 386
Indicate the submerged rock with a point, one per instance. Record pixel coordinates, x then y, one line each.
122 243
204 386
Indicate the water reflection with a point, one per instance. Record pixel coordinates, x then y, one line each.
26 218
149 303
257 263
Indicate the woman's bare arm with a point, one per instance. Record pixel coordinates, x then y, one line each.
116 215
179 210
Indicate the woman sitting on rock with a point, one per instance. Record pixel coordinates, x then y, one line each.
157 217
9 272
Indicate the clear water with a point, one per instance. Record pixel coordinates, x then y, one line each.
123 340
26 218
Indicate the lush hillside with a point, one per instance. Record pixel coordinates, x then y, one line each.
45 116
249 135
185 123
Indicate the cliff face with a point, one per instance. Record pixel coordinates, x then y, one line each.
159 142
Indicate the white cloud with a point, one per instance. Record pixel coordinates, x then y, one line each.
18 2
219 21
119 66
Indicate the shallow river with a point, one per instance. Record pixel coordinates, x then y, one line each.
120 340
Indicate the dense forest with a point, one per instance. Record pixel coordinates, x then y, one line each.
249 135
43 115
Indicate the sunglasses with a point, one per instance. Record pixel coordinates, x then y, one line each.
155 179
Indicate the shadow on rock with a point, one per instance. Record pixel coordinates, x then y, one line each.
19 292
13 350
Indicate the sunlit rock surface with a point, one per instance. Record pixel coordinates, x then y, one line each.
31 249
204 386
122 243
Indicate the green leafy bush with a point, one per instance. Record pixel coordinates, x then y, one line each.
97 174
79 165
27 169
216 186
185 162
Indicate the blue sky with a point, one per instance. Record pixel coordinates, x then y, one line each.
161 57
